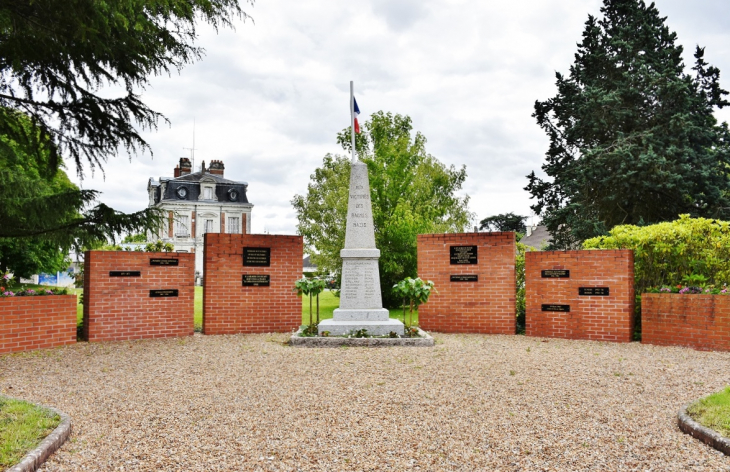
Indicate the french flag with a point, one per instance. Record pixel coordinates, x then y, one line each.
356 113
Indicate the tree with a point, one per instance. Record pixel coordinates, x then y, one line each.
412 192
633 139
43 214
56 56
504 222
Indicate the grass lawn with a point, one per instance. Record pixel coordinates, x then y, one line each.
713 412
327 304
22 428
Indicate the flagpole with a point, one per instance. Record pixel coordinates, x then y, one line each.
352 118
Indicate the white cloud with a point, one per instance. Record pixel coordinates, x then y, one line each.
269 98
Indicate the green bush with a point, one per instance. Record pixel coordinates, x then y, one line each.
673 253
520 286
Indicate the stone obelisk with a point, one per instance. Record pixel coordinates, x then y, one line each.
361 306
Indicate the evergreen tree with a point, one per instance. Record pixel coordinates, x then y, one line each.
633 139
55 56
504 222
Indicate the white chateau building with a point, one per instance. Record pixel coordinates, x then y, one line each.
197 203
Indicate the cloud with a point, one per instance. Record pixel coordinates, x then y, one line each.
269 98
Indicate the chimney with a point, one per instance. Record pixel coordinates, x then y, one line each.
183 168
216 168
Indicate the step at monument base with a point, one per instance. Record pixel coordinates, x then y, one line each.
374 328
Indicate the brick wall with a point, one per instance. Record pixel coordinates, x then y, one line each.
598 318
697 321
229 307
483 306
37 322
121 308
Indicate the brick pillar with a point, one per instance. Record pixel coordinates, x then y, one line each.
223 223
170 218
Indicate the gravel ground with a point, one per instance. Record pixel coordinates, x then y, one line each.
470 403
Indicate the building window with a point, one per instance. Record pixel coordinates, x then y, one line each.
207 193
208 226
181 227
233 225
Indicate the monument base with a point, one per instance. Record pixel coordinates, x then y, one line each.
373 327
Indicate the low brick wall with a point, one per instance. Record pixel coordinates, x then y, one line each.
37 322
481 297
229 307
697 321
119 303
591 315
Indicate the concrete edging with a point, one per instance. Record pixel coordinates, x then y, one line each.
298 341
48 446
704 434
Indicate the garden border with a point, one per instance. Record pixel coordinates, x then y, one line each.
48 446
299 341
706 435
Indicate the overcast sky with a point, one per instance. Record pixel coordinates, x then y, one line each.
269 98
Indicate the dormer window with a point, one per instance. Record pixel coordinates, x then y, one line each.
207 189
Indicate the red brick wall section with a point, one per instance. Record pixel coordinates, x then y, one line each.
37 322
597 318
485 306
229 307
697 321
121 308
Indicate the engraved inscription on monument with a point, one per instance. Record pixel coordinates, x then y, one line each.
556 274
124 273
163 262
556 308
163 293
257 256
465 278
256 280
593 291
463 254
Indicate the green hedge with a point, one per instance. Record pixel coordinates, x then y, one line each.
694 251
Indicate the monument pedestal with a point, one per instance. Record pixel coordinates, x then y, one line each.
361 306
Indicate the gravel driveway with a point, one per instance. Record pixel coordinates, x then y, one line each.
471 402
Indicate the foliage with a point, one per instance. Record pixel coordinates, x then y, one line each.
416 291
666 254
504 222
135 238
411 191
57 57
43 215
713 411
311 287
159 246
24 426
520 304
633 139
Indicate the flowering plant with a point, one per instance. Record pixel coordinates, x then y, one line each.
29 292
692 290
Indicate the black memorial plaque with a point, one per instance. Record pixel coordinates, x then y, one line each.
556 274
556 308
463 254
465 278
593 291
124 273
255 280
257 256
164 262
163 293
